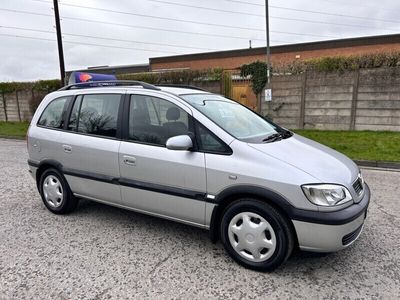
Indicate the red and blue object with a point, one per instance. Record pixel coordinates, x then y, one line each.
82 77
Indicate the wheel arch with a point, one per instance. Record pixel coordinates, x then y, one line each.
46 164
235 193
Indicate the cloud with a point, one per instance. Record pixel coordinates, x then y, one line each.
32 59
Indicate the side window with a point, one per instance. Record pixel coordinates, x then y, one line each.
73 120
95 114
154 120
208 142
53 114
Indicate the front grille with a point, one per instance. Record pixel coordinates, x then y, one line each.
358 186
348 238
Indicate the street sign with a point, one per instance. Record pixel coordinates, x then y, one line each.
267 95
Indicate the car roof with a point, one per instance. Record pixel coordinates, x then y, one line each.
175 90
178 91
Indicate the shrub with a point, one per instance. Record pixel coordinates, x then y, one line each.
258 75
175 77
341 63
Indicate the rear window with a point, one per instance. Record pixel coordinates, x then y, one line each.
95 114
53 114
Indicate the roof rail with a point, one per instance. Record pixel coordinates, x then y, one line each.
110 83
184 86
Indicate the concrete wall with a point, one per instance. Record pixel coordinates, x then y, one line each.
21 105
18 105
367 99
211 86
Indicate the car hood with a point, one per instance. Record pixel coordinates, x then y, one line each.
319 161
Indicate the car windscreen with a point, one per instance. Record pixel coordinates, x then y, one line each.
237 120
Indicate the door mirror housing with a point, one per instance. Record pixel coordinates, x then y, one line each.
180 142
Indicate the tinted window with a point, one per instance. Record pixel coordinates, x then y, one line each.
208 142
95 114
154 120
53 115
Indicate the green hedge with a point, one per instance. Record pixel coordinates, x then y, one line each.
175 77
340 63
41 85
258 74
39 89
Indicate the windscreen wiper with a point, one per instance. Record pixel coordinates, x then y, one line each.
286 134
272 138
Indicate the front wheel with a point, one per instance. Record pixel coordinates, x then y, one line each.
256 235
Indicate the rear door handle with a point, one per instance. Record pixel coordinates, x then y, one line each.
129 160
67 148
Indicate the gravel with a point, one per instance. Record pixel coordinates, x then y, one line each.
101 252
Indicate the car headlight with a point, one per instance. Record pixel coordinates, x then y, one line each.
327 194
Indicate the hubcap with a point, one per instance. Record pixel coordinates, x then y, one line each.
52 191
252 237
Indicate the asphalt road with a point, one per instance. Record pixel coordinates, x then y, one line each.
100 252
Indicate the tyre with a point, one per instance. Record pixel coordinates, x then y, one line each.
256 235
55 192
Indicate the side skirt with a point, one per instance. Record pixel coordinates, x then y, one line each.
143 212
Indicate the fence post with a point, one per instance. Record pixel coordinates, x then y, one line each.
354 100
4 105
227 84
303 100
18 109
31 103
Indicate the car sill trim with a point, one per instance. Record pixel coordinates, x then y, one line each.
143 211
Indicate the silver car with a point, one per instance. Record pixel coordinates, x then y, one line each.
198 158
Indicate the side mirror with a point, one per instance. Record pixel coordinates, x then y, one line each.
180 142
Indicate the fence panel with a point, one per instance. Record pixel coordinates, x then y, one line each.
367 99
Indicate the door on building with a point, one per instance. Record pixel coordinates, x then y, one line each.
242 93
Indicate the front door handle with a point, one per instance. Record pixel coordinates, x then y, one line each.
67 148
129 160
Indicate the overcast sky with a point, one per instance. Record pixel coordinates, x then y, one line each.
130 32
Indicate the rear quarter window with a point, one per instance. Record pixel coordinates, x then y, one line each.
53 114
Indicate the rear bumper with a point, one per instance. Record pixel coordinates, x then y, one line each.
32 170
333 231
33 167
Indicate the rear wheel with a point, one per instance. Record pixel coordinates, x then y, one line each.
55 192
256 235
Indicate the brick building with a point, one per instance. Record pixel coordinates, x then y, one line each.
233 59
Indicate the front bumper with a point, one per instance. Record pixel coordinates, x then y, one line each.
332 231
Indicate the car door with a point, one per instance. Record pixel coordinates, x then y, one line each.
89 147
154 179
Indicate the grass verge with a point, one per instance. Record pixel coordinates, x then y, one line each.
13 129
359 145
